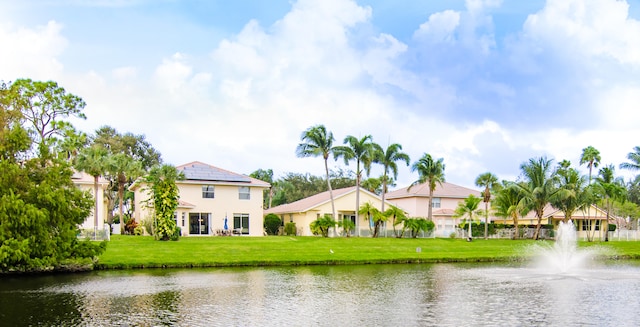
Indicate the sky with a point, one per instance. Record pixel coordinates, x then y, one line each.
484 84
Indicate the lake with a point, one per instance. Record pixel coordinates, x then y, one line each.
515 294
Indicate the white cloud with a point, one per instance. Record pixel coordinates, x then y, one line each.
440 27
31 52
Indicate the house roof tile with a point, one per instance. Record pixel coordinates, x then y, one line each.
444 190
199 171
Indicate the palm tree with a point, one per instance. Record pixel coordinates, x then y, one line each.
634 157
468 208
363 151
388 161
318 142
396 215
373 215
539 187
489 181
611 189
93 161
573 194
123 168
431 172
591 157
508 203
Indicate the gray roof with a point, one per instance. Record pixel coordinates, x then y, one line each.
204 172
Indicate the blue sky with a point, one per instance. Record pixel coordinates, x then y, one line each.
484 84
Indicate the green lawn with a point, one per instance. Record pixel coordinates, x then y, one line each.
144 251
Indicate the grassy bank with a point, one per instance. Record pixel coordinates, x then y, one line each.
125 252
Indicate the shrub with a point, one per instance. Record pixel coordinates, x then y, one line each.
322 225
290 229
271 224
138 230
612 227
177 232
130 227
452 235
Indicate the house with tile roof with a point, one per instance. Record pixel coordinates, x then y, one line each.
213 201
445 199
588 221
305 211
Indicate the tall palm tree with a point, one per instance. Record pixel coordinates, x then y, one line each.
388 161
591 157
430 171
93 161
123 168
611 189
539 187
634 157
573 194
468 208
508 203
489 181
363 152
317 141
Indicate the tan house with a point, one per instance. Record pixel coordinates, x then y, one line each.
588 221
213 201
305 211
84 182
445 199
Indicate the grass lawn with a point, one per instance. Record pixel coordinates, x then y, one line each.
143 251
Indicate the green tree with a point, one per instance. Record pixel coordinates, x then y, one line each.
591 157
347 226
44 106
265 175
509 203
468 208
95 162
272 223
373 185
539 187
388 159
164 194
430 171
322 225
397 215
40 208
140 157
363 152
610 189
317 141
573 192
372 216
634 158
123 168
416 225
488 181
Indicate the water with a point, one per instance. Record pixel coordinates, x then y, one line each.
380 295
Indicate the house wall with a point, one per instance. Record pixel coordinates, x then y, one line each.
225 203
89 222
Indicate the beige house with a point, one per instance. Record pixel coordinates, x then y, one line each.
445 199
305 211
588 221
213 201
84 182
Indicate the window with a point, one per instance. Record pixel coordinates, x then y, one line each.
241 223
184 214
435 203
207 192
244 193
199 223
589 224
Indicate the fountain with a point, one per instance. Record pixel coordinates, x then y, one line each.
563 257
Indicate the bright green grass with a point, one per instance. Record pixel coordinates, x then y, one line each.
143 251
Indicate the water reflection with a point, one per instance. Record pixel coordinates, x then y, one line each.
381 295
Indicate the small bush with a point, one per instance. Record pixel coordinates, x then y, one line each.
177 232
130 227
453 235
271 224
612 227
138 230
290 229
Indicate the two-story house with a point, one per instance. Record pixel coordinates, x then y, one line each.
213 201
